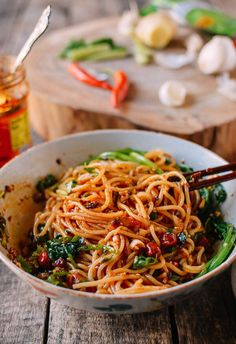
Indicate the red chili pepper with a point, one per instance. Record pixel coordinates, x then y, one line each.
116 223
130 222
120 89
152 249
72 279
82 75
169 240
44 260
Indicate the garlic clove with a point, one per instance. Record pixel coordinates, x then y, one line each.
194 43
217 56
227 86
172 93
211 57
174 61
230 54
127 22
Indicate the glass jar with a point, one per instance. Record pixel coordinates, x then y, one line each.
14 125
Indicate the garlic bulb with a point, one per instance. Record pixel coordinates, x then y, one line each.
172 93
217 56
156 30
127 22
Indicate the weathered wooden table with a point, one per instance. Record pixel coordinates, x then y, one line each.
26 317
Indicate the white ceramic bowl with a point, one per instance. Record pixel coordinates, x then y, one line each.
18 207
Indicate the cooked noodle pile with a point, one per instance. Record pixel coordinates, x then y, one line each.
140 225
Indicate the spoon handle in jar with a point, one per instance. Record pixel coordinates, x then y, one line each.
39 29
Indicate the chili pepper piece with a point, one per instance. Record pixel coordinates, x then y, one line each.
82 75
168 240
44 260
120 89
152 249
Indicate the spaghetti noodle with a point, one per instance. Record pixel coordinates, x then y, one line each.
120 227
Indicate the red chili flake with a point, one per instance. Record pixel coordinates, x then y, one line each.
60 263
130 203
175 263
44 260
116 223
168 239
91 205
115 197
73 279
152 249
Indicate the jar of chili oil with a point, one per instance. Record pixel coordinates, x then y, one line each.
14 125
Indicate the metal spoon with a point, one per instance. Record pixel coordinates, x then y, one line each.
39 29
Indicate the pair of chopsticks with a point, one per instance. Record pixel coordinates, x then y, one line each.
197 182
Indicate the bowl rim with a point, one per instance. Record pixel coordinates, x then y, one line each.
200 280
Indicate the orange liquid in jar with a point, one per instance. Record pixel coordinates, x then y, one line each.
14 126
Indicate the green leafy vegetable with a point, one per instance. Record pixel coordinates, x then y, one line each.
115 53
223 251
58 277
46 182
73 45
142 54
106 40
212 21
100 49
184 168
213 197
24 264
72 261
89 169
153 216
62 247
127 154
168 161
217 225
219 193
148 10
175 277
142 262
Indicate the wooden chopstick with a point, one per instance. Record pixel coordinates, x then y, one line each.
208 182
195 183
213 170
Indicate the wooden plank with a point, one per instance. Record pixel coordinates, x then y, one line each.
22 311
209 316
67 325
142 106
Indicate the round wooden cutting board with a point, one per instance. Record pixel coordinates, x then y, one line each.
60 104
